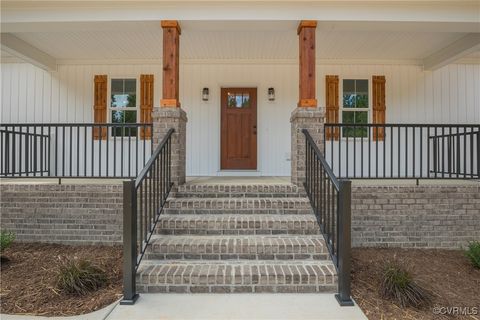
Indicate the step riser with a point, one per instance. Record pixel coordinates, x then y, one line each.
246 277
249 188
212 256
231 247
254 224
162 231
236 195
237 289
237 211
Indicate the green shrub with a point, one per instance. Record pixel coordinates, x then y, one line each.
80 277
6 239
399 286
473 253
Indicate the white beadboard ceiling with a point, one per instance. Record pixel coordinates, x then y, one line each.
235 40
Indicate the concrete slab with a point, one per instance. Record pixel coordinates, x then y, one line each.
51 181
236 306
238 180
97 315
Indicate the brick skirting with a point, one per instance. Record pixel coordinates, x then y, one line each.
436 216
387 216
70 214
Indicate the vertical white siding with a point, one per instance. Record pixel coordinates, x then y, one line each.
447 95
273 117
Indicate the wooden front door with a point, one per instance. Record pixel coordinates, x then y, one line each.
239 128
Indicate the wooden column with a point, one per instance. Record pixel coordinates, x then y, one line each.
306 37
171 62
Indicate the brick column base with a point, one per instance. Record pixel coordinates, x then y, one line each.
163 120
311 119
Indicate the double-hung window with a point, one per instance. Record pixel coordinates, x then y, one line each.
123 106
355 107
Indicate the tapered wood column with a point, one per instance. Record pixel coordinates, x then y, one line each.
306 38
171 63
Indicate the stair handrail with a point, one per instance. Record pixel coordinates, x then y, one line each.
331 201
143 202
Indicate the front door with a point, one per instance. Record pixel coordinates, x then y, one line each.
239 128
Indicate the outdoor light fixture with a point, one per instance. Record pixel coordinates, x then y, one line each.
205 94
271 94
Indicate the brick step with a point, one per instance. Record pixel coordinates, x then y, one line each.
277 247
237 224
239 191
236 276
238 206
237 195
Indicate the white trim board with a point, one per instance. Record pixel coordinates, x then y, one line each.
159 61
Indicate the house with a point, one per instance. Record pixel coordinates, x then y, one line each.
318 92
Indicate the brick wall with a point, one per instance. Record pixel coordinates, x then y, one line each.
415 216
80 214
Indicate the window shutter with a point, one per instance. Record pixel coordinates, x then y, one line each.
100 106
378 101
331 97
146 104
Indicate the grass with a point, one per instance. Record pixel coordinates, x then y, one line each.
473 253
399 286
80 277
6 239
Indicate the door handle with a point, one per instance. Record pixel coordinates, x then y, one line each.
254 127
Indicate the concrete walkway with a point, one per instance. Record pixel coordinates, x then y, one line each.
236 306
171 306
97 315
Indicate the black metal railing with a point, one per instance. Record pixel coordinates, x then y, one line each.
34 146
143 201
74 150
403 151
331 201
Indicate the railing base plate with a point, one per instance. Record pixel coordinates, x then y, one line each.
344 303
129 302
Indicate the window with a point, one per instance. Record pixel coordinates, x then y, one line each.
355 107
238 100
123 106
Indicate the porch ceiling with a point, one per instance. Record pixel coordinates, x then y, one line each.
142 40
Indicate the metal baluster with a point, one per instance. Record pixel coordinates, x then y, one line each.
129 151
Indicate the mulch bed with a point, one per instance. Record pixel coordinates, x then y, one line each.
446 274
28 279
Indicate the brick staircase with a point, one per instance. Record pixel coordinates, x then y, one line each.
237 238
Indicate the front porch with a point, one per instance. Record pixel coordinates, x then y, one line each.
268 101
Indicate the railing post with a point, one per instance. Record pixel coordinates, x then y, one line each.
478 154
344 216
129 243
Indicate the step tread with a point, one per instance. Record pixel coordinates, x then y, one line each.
300 205
240 187
238 223
238 244
236 217
234 276
230 272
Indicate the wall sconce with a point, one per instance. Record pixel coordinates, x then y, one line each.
205 94
271 94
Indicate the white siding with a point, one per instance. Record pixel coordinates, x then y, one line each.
447 95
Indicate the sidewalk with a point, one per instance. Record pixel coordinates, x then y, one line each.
237 306
171 306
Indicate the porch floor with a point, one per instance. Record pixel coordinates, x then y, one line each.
241 180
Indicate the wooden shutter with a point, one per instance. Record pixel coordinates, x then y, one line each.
146 104
100 106
378 102
331 97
